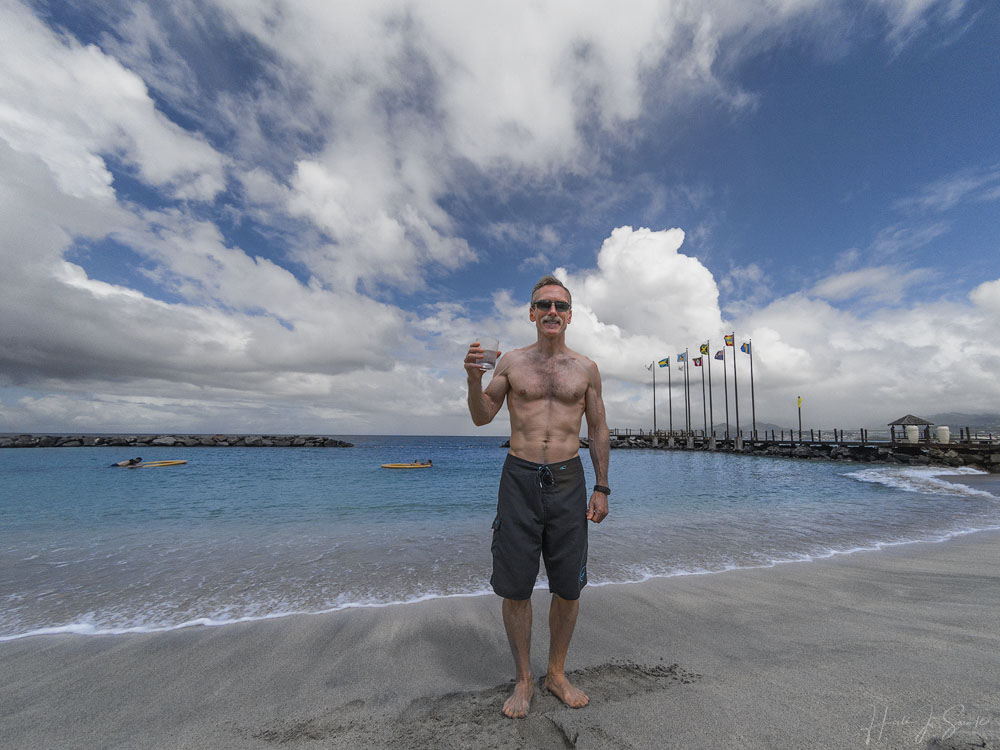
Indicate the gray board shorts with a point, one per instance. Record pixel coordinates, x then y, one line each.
541 508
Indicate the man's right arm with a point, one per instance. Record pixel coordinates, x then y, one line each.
485 403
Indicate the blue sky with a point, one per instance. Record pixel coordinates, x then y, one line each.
288 217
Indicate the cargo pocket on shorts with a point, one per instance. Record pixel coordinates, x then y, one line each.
496 533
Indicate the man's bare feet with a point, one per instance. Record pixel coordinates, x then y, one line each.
564 690
516 707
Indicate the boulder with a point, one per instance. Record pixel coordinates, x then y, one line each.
253 441
167 440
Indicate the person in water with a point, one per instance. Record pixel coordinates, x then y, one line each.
130 463
542 506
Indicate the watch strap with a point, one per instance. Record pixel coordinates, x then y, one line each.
602 488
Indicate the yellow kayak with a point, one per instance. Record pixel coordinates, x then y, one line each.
155 464
406 466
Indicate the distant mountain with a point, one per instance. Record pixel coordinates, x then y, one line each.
958 419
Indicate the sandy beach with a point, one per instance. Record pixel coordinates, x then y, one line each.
891 649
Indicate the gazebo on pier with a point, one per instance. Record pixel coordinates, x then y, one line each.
906 421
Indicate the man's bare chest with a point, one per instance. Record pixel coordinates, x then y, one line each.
565 384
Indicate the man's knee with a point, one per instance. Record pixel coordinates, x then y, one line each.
564 604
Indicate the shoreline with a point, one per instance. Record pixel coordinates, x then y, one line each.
881 649
984 482
991 484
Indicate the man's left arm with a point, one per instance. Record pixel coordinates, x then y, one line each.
600 444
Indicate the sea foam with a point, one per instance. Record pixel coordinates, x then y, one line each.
922 479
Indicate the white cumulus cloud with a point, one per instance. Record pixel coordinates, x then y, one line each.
74 107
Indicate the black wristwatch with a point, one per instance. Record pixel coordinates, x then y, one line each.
602 488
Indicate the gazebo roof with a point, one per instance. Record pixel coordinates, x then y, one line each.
910 419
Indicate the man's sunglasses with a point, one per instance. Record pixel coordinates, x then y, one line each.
546 304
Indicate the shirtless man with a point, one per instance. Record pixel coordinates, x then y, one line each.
542 507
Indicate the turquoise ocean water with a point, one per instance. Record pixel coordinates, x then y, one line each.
247 533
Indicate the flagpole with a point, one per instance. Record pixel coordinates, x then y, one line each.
736 388
670 395
753 401
652 369
725 387
711 413
687 390
704 414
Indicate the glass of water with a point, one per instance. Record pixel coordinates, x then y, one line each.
490 347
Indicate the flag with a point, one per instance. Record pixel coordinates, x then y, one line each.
704 349
800 402
721 354
664 362
681 357
745 348
697 361
729 341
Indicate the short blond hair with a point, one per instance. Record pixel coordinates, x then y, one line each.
550 280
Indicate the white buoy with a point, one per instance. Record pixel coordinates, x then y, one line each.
944 435
912 433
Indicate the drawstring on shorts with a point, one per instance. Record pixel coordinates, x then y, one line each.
545 476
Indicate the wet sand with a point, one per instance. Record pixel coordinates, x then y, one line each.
892 649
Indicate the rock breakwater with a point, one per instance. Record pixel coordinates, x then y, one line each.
985 456
179 441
